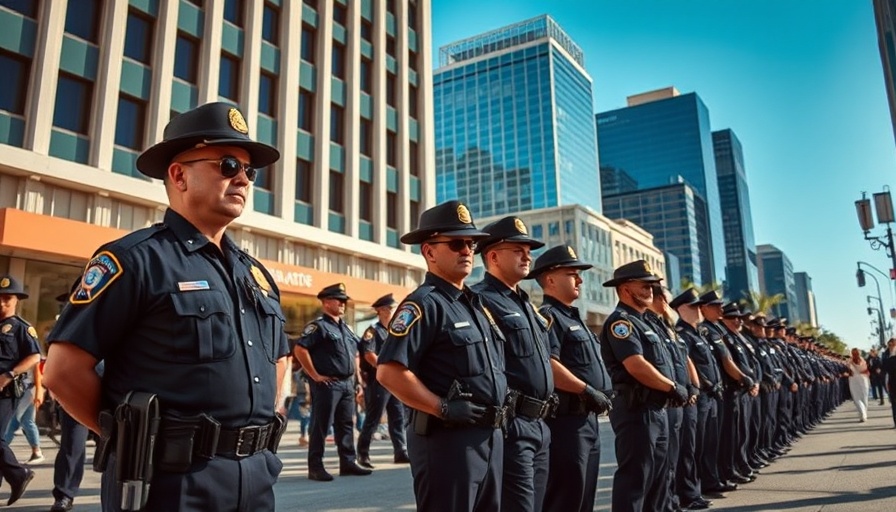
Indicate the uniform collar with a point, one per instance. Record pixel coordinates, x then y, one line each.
447 288
630 310
570 310
328 318
502 288
189 236
686 326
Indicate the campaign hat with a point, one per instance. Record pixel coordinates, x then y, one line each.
212 124
509 229
451 219
638 270
561 256
385 300
689 297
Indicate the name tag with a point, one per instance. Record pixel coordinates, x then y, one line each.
515 313
188 286
575 328
458 325
773 351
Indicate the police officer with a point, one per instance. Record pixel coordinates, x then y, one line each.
444 358
377 398
180 311
581 379
327 351
20 352
643 377
506 256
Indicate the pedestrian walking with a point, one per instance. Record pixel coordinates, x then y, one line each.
876 376
858 383
24 416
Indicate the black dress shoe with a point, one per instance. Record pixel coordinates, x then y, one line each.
724 487
402 458
353 469
16 491
62 504
319 475
713 494
697 505
365 462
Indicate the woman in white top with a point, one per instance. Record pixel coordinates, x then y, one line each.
858 383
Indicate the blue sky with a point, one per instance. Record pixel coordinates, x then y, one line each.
801 85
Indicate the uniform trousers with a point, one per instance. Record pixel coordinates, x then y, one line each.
642 443
770 416
687 480
333 404
892 391
221 484
670 497
68 469
574 463
728 434
707 442
10 469
377 400
457 469
526 447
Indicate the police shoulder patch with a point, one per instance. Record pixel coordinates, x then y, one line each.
621 329
404 318
32 331
310 328
101 271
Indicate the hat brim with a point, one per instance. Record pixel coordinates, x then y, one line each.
616 282
538 271
717 302
695 302
154 161
418 236
519 239
341 296
19 295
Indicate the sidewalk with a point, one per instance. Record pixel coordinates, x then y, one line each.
841 465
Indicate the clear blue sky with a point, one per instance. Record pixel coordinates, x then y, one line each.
801 85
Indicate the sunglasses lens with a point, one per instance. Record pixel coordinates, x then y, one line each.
459 245
230 167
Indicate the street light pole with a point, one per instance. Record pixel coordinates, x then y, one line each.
884 275
860 277
883 205
881 324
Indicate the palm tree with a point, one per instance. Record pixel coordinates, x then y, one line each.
807 329
759 302
687 283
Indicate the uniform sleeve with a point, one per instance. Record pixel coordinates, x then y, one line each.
28 343
555 332
410 331
309 336
622 338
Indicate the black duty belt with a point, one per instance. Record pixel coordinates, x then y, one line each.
245 441
534 408
570 404
494 417
208 439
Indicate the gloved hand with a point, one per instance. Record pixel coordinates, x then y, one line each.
596 400
462 412
718 389
693 393
747 382
678 395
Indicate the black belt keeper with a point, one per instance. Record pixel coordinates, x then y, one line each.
569 404
534 408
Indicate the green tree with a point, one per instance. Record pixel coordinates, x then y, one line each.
687 283
807 329
759 302
831 341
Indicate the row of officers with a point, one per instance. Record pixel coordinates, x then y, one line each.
504 396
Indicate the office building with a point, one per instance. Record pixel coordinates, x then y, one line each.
616 181
514 127
885 20
805 298
662 138
741 272
676 217
776 276
91 83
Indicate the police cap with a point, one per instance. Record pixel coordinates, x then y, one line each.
712 297
509 229
688 297
562 256
11 286
638 270
451 219
732 310
212 124
334 291
384 301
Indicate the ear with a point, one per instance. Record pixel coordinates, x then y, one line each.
176 176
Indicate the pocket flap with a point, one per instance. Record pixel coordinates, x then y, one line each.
200 303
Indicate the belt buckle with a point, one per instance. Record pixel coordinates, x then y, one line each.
248 436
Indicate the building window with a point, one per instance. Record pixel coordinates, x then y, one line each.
366 30
130 123
391 87
365 201
391 148
390 45
412 102
337 124
414 213
267 94
197 3
338 64
412 15
414 160
306 110
340 14
27 8
366 137
390 6
337 187
270 23
82 19
229 81
412 59
15 71
263 179
233 12
392 210
303 181
73 99
311 3
186 58
366 75
308 43
138 41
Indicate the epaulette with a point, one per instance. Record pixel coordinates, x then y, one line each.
20 319
135 238
421 292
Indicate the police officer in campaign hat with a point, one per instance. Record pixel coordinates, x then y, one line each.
327 350
20 353
581 379
190 328
641 369
377 398
444 358
506 254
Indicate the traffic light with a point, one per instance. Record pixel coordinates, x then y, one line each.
869 311
860 278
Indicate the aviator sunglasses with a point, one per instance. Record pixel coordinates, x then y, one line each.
457 244
229 166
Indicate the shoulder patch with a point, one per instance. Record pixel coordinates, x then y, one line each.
368 334
404 318
621 329
32 331
545 322
101 271
6 328
310 328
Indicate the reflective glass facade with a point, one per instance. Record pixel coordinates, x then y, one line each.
776 276
663 142
741 272
513 123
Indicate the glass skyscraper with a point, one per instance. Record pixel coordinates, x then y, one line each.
514 126
776 276
737 219
885 20
806 299
663 137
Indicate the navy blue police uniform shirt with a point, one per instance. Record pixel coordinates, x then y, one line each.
674 347
332 346
574 345
174 315
713 333
442 334
371 342
701 354
527 363
627 334
18 340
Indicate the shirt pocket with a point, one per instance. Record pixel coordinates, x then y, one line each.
576 347
520 342
468 351
8 350
205 316
656 347
271 327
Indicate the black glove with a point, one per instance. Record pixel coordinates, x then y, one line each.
678 395
461 412
747 382
596 400
693 391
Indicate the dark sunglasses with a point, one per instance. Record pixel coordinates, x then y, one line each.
229 166
457 244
